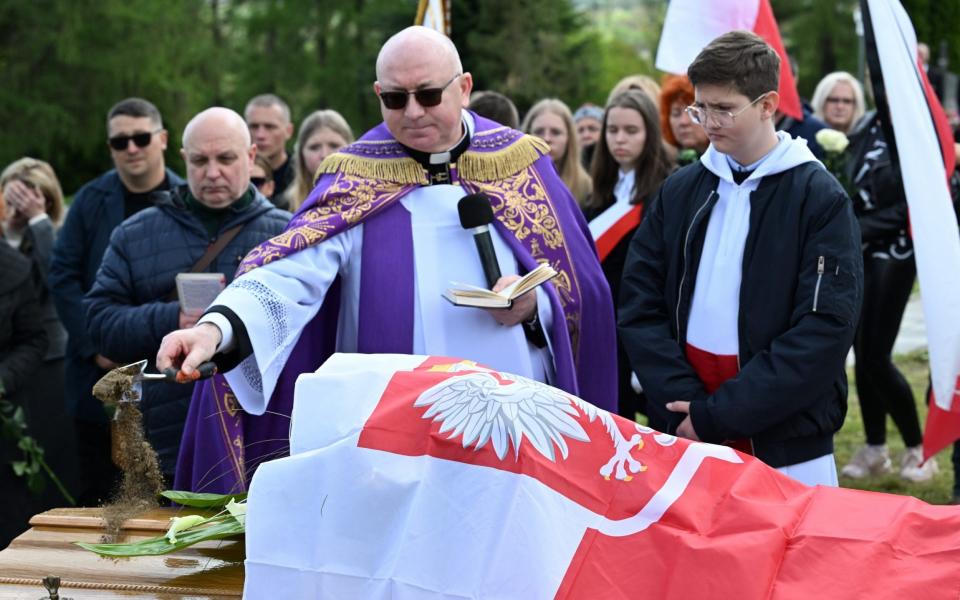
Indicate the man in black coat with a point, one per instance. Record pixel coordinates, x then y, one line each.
742 287
132 304
137 141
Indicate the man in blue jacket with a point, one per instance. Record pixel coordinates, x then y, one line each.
137 140
742 288
133 304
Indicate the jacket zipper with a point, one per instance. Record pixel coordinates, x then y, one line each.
686 243
816 291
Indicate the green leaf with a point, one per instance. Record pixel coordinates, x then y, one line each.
199 500
19 467
220 527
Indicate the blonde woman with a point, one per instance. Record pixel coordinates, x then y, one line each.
838 101
552 120
321 134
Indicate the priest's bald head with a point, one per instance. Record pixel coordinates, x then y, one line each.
422 89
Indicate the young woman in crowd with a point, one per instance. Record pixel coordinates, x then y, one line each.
838 101
321 134
551 120
679 130
629 165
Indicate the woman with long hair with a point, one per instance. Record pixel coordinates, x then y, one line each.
552 120
321 134
629 165
838 101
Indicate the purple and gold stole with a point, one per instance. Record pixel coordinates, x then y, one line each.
535 215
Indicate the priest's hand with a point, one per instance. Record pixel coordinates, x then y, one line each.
185 349
685 429
523 309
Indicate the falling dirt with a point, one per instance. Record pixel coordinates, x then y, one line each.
142 482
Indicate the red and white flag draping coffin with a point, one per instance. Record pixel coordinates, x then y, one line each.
692 24
923 143
425 477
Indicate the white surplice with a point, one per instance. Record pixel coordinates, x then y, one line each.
277 300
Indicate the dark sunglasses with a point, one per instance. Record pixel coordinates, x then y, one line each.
259 181
142 140
426 97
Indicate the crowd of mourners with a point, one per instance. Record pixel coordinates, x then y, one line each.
90 285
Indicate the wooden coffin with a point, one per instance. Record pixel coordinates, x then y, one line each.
207 570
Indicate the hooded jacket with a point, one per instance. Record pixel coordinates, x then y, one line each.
797 253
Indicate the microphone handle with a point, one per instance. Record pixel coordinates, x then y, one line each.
488 258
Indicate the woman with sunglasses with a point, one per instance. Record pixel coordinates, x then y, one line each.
838 101
551 120
32 204
321 134
629 165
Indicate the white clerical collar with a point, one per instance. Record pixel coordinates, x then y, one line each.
442 158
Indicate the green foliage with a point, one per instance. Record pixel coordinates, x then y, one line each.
31 466
201 500
936 24
220 526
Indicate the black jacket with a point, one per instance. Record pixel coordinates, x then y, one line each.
802 284
96 210
23 339
128 310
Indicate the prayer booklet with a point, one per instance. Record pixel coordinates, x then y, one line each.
464 294
196 291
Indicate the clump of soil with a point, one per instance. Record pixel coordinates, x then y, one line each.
142 481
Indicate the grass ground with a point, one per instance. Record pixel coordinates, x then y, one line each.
939 490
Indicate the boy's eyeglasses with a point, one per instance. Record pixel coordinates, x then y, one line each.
721 118
426 97
142 140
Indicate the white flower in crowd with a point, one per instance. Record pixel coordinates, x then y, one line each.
178 524
832 141
238 510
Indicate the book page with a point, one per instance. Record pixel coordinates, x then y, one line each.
196 291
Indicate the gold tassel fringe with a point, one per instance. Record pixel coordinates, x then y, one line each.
472 165
396 170
500 164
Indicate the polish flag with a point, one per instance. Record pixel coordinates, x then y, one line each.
692 24
920 142
423 477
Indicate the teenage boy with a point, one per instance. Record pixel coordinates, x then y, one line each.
742 288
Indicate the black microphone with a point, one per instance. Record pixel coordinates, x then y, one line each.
476 214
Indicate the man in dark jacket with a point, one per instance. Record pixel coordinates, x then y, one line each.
132 306
743 284
137 141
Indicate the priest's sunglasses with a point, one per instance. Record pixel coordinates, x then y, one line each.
721 118
142 140
427 97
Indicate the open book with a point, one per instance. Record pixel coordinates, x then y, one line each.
196 291
470 295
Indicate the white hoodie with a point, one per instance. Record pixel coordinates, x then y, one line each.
712 326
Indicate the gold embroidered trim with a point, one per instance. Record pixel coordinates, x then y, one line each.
397 170
472 165
493 166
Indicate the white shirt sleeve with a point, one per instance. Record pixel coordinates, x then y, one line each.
275 303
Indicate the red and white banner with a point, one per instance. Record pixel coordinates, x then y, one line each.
919 139
426 477
692 24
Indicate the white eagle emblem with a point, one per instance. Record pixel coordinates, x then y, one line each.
506 410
